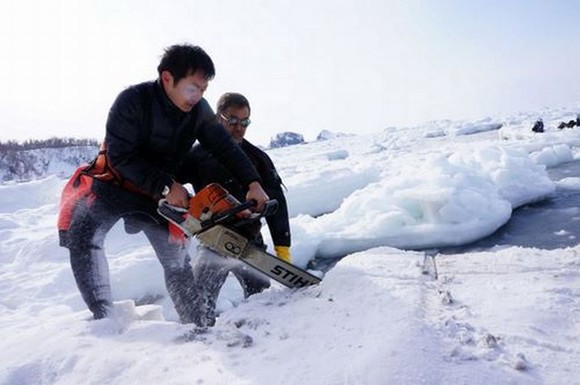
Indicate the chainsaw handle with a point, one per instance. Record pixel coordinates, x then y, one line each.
228 214
163 202
269 208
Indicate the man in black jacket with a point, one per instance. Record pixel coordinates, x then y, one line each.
150 128
201 168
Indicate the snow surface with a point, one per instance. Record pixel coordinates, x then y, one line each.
382 315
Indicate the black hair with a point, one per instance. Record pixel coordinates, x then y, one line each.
232 99
182 60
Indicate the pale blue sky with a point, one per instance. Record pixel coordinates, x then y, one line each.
348 65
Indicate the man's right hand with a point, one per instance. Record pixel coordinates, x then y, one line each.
178 195
257 193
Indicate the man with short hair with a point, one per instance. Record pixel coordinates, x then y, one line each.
202 168
150 128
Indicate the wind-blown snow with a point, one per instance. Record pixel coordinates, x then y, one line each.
506 315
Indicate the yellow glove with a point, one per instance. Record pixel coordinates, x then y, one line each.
283 252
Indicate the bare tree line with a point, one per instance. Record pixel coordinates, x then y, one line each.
32 144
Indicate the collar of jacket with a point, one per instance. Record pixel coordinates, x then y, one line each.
249 147
167 105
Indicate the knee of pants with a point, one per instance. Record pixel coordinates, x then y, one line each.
172 265
81 247
176 266
174 259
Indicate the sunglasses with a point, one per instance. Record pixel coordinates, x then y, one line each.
233 121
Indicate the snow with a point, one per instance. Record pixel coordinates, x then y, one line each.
384 314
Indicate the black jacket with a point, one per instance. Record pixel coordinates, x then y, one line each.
202 168
148 136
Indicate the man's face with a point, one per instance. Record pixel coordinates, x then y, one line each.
241 117
187 92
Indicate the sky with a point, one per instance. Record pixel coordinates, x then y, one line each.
344 66
383 315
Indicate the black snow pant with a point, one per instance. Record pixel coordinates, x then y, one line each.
91 221
210 271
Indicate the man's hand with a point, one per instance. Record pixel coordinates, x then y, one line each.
256 192
178 196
